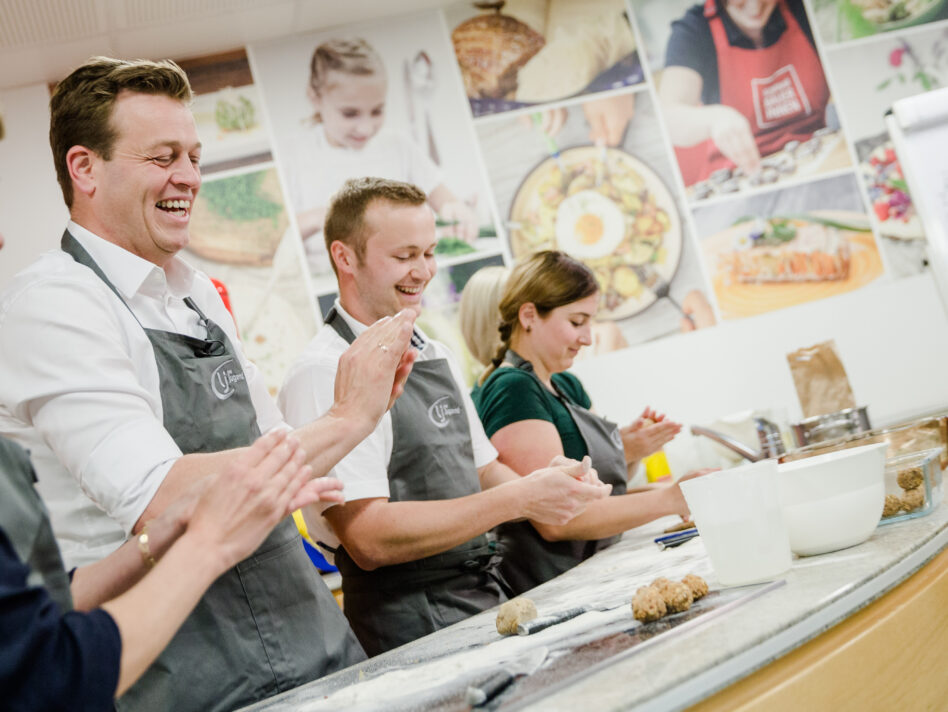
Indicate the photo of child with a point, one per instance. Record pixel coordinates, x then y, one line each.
374 103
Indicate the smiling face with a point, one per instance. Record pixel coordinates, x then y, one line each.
141 198
398 262
555 339
751 15
352 108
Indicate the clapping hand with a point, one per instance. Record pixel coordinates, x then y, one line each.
647 434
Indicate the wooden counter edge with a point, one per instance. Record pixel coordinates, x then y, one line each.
888 656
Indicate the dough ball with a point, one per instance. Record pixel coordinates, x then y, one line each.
513 612
913 499
648 604
910 478
893 505
698 586
677 595
647 422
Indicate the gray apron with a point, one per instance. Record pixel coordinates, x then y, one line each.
268 624
25 520
432 458
529 559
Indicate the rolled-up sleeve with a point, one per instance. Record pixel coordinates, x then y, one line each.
51 661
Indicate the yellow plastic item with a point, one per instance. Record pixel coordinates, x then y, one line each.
301 526
656 467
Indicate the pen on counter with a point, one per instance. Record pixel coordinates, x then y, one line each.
676 539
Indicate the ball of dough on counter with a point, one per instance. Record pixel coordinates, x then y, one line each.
913 499
513 612
648 604
677 595
698 586
910 478
892 506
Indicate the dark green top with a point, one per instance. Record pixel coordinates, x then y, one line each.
510 395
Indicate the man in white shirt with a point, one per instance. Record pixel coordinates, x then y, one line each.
425 487
122 373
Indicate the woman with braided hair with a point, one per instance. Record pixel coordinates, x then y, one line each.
532 409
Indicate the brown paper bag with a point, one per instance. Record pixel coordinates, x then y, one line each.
820 379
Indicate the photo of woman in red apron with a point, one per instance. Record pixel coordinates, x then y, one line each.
742 78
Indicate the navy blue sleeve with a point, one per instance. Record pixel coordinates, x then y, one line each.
51 661
691 45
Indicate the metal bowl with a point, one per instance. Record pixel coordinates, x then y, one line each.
831 426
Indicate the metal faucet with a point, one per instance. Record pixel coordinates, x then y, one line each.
771 442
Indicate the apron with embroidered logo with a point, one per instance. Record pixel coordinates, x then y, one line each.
26 522
432 459
780 89
268 624
528 559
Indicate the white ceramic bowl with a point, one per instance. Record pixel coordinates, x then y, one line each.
834 500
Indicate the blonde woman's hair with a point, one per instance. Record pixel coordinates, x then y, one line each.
547 279
347 55
479 313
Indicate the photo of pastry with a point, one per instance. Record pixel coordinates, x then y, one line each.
239 218
608 200
788 247
840 20
518 53
768 119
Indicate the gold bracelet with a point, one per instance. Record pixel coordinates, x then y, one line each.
145 549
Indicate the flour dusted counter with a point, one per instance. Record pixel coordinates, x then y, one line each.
858 628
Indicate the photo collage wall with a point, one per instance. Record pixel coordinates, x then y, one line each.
603 128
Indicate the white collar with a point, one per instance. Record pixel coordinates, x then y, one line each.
130 273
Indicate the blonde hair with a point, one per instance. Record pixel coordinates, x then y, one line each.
547 279
349 56
479 313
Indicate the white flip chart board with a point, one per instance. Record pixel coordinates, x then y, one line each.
918 126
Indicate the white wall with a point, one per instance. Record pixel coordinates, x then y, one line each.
32 212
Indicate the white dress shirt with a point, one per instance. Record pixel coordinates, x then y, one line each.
80 385
307 393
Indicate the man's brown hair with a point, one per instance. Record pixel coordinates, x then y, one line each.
345 219
81 105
